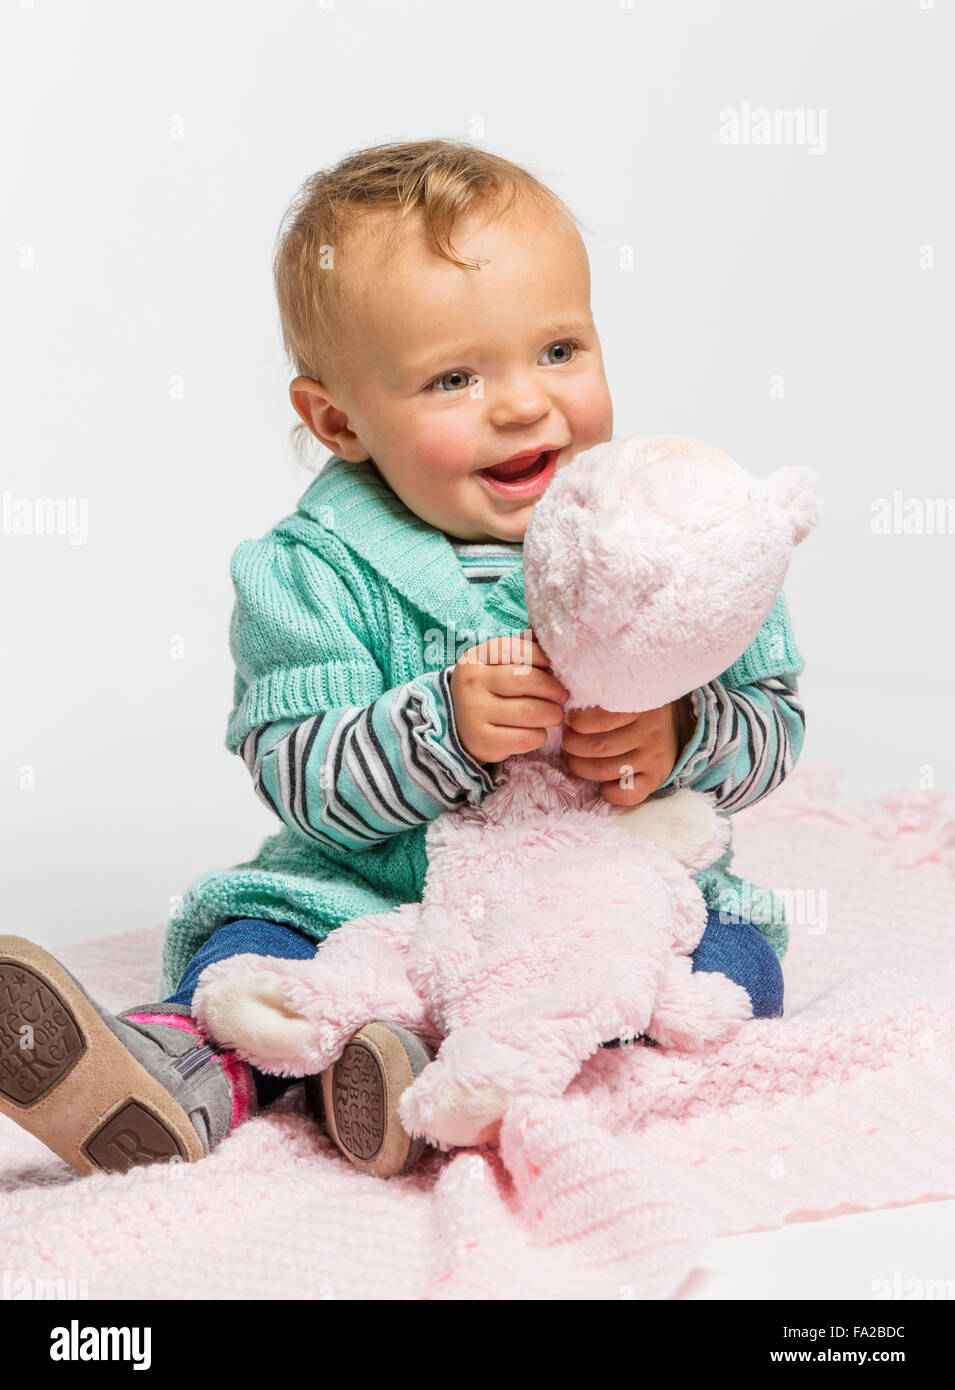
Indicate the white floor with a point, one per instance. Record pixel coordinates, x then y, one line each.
900 1253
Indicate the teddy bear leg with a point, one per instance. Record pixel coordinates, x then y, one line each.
294 1017
460 1099
693 1008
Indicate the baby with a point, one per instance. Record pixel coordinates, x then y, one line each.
435 300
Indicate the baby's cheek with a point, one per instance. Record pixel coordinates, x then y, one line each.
446 453
592 415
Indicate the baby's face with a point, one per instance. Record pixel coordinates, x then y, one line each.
447 373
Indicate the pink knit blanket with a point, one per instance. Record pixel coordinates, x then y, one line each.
846 1103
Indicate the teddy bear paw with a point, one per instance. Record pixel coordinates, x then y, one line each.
460 1099
452 1115
251 1012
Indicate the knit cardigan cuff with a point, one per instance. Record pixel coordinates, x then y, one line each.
773 651
297 692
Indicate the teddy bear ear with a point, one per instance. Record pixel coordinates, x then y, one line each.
794 489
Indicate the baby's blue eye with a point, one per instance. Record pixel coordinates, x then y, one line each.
565 348
460 380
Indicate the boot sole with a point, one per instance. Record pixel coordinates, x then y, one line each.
78 1089
360 1093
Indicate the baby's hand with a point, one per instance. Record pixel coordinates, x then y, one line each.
505 697
642 748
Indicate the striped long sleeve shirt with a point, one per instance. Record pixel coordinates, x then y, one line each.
745 742
354 777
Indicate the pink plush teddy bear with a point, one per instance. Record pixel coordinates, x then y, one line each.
551 920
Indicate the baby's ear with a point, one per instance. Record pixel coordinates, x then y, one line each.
795 491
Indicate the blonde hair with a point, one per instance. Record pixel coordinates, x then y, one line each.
445 180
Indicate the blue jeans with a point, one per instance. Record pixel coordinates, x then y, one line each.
741 951
247 936
738 950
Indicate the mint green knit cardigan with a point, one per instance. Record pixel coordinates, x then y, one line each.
350 596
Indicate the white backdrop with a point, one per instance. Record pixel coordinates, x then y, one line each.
789 301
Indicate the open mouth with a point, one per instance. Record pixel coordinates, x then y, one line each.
518 473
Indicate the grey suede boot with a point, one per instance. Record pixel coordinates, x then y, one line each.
106 1092
357 1098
